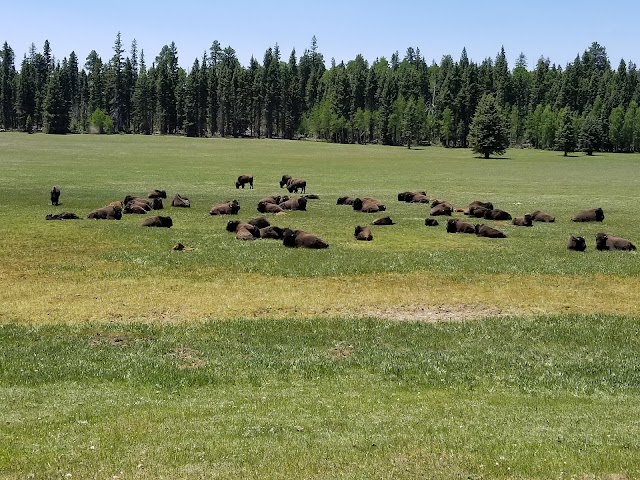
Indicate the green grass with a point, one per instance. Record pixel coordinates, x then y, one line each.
544 397
120 358
106 260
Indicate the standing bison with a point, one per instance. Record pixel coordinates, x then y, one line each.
593 215
55 195
244 179
293 184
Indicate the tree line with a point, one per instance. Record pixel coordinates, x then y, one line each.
397 101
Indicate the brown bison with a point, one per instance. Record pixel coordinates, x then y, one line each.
110 212
275 233
55 195
62 216
312 196
593 215
244 179
299 203
485 231
413 197
345 201
363 233
497 214
576 243
383 221
163 222
243 231
478 203
231 207
540 216
302 239
477 211
180 201
605 241
443 208
431 222
268 207
153 203
457 225
157 194
293 184
368 205
135 208
524 221
260 222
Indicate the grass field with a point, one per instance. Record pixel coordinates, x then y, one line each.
120 358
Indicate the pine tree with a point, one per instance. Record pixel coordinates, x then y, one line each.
488 133
7 87
566 134
591 135
56 106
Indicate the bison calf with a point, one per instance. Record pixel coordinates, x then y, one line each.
55 195
576 243
363 233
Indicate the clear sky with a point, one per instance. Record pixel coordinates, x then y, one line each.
557 29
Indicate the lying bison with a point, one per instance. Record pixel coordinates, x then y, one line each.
156 193
363 233
55 195
268 207
540 216
135 208
302 239
345 201
243 231
273 232
477 211
299 203
431 222
383 221
605 241
413 197
162 222
243 180
576 243
62 216
368 205
260 222
110 212
524 221
496 214
485 231
593 215
180 201
478 203
276 199
312 196
231 207
152 203
457 225
440 209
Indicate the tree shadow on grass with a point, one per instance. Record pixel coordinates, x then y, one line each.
493 158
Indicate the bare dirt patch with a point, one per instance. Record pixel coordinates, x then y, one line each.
341 351
439 313
188 358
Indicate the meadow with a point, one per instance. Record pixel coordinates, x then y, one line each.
420 354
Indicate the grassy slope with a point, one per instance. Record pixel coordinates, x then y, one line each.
539 398
116 270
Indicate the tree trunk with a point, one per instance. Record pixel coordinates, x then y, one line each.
486 155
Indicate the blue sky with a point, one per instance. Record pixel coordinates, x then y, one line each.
557 29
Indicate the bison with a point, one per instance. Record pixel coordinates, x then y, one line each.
135 208
383 221
413 197
368 205
496 214
540 216
345 201
267 207
293 184
477 211
457 225
299 203
231 207
312 196
593 215
605 241
156 193
478 203
110 212
431 222
485 231
302 239
180 201
275 233
576 243
443 208
243 231
62 216
524 221
363 233
244 179
163 222
55 195
260 222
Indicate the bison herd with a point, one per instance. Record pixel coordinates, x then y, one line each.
277 204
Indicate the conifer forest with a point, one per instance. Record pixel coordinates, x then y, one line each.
587 104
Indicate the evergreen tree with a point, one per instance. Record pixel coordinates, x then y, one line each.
488 134
590 136
56 106
7 87
566 135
